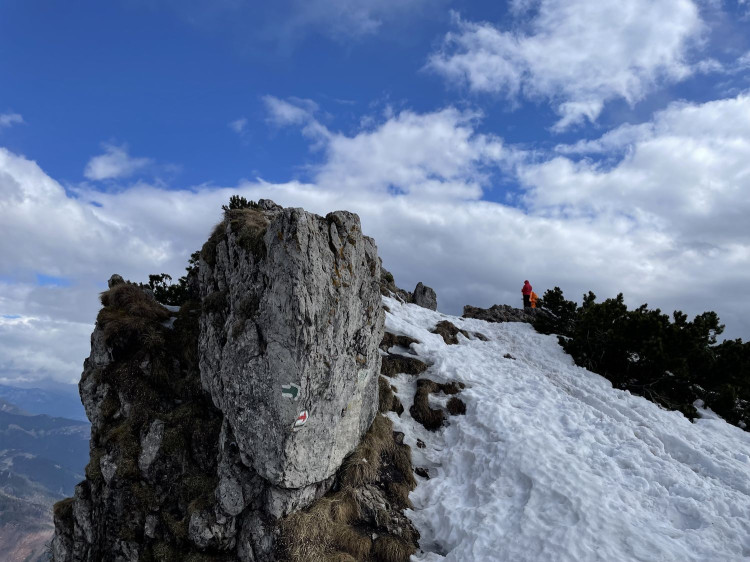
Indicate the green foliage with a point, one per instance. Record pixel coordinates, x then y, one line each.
672 362
175 294
561 313
237 202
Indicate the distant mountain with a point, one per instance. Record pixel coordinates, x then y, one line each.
40 401
25 529
46 450
9 408
42 458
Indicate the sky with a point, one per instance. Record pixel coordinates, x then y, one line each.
587 144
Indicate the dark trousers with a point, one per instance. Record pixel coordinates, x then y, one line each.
527 301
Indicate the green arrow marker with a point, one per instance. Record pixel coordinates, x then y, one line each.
290 391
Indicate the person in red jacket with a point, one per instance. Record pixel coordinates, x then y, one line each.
526 292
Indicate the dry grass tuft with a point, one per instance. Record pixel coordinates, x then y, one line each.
421 411
388 401
363 465
449 332
395 364
323 531
389 340
208 251
335 528
392 549
131 316
250 226
456 406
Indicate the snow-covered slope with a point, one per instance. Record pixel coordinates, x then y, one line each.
550 463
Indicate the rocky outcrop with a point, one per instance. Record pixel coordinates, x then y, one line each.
425 296
502 313
291 354
211 424
422 295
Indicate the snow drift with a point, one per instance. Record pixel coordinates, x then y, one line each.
550 463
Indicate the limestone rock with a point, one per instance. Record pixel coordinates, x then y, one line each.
115 280
150 445
502 313
425 296
209 429
291 333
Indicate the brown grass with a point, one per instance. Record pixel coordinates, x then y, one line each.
456 406
63 510
392 549
388 401
363 465
130 316
449 332
332 529
395 364
250 226
208 251
421 411
389 340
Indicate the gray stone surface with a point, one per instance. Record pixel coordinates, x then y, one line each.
290 301
108 466
150 445
425 296
502 313
307 313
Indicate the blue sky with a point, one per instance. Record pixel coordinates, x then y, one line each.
590 144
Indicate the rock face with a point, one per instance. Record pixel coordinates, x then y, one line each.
502 313
297 338
425 297
422 295
209 426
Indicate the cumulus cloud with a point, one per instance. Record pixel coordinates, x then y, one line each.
577 54
288 22
114 163
663 221
679 194
10 119
238 125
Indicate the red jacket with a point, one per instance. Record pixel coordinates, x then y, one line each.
526 290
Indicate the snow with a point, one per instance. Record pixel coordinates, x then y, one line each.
550 463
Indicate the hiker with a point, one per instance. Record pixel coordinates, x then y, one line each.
526 292
533 299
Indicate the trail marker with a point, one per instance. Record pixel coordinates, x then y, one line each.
301 420
290 391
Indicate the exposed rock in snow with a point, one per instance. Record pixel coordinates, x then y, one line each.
550 462
425 297
502 313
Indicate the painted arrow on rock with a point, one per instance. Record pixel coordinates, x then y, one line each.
290 391
301 420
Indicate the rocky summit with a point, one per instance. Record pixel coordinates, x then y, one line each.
214 420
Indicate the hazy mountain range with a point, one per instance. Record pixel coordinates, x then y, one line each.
41 460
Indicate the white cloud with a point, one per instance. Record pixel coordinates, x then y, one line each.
114 163
343 18
665 223
578 54
288 22
238 125
295 111
10 119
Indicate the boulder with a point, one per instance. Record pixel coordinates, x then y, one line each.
289 339
425 296
502 313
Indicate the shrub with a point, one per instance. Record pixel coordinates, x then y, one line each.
560 315
237 202
672 362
